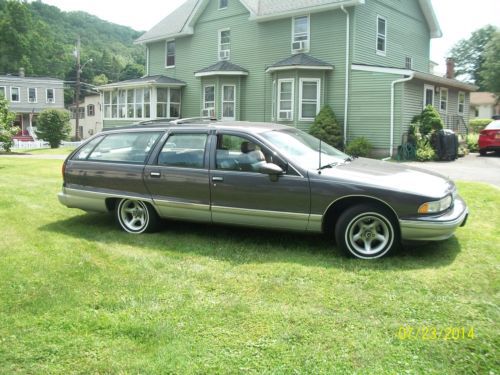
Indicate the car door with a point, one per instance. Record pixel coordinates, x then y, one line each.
177 177
240 194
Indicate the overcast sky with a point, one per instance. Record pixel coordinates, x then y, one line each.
457 18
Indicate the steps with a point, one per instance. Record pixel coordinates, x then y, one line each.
23 138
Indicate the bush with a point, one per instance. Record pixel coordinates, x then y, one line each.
53 126
428 120
7 128
327 128
425 152
478 124
359 147
471 141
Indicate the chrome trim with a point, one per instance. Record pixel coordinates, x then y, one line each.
183 210
315 223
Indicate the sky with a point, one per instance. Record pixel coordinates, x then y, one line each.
457 18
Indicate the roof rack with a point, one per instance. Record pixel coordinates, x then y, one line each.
191 120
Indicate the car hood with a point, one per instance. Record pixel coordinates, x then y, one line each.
392 176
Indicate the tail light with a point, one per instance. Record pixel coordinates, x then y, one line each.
63 170
488 133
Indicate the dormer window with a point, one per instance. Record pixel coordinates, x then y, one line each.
223 4
300 34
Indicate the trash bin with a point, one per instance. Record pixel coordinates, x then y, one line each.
446 145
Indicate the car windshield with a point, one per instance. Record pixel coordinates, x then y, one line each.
303 149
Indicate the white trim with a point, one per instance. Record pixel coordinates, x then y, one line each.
307 42
31 81
463 104
221 73
28 95
432 88
377 34
228 101
4 91
274 93
280 81
318 97
347 70
18 94
302 67
47 95
219 50
138 85
430 17
380 69
166 54
445 111
147 60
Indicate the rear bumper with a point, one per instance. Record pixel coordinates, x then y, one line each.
435 228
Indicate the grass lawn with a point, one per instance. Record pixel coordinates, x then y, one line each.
80 296
63 150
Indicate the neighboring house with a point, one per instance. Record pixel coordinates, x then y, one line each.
484 105
90 120
28 96
281 61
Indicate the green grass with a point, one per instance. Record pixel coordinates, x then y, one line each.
77 295
64 150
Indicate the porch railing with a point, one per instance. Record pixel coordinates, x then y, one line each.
455 123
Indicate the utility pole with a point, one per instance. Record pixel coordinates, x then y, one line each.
77 99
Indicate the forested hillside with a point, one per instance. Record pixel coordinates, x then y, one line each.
42 39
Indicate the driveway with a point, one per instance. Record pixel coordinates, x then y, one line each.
469 168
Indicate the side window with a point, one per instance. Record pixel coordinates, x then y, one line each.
236 153
125 147
184 150
84 152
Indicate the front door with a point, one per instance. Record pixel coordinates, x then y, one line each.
242 195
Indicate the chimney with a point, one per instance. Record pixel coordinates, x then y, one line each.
450 68
21 72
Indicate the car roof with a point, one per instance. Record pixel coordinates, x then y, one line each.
252 127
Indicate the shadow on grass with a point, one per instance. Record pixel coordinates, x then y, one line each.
240 245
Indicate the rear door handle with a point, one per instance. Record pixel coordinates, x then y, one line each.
155 174
217 179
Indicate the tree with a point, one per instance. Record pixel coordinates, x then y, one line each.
327 128
7 128
469 55
53 126
131 71
490 74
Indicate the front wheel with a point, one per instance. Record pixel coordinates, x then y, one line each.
136 216
367 231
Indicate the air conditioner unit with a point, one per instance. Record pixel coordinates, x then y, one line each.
285 115
298 46
210 112
224 54
50 100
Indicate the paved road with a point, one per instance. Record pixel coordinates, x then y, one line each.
469 168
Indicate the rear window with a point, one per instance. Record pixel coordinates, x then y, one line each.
495 125
125 147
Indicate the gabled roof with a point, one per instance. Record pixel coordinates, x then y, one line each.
181 21
300 61
157 80
222 68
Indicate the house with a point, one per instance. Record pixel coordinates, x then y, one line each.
484 105
281 61
28 96
90 116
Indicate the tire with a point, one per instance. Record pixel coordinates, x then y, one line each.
136 217
367 231
482 152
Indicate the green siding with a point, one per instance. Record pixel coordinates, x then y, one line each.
407 34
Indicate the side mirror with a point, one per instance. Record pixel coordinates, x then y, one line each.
271 169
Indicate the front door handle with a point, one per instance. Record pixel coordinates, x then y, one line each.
155 174
217 179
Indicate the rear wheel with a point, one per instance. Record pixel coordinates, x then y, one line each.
136 216
367 231
482 152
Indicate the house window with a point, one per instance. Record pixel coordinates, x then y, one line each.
461 102
273 101
408 62
208 101
170 54
228 102
15 96
224 44
309 95
50 96
443 105
285 99
300 34
132 103
381 35
222 4
91 110
168 103
81 111
2 92
428 95
32 95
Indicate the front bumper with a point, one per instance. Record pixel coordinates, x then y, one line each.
435 228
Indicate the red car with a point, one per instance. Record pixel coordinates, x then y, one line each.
489 138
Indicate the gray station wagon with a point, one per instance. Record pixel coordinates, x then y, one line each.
260 175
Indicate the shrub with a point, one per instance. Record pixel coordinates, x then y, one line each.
327 128
425 152
7 128
478 124
359 147
53 126
471 141
429 120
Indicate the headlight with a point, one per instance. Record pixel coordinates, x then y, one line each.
436 206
